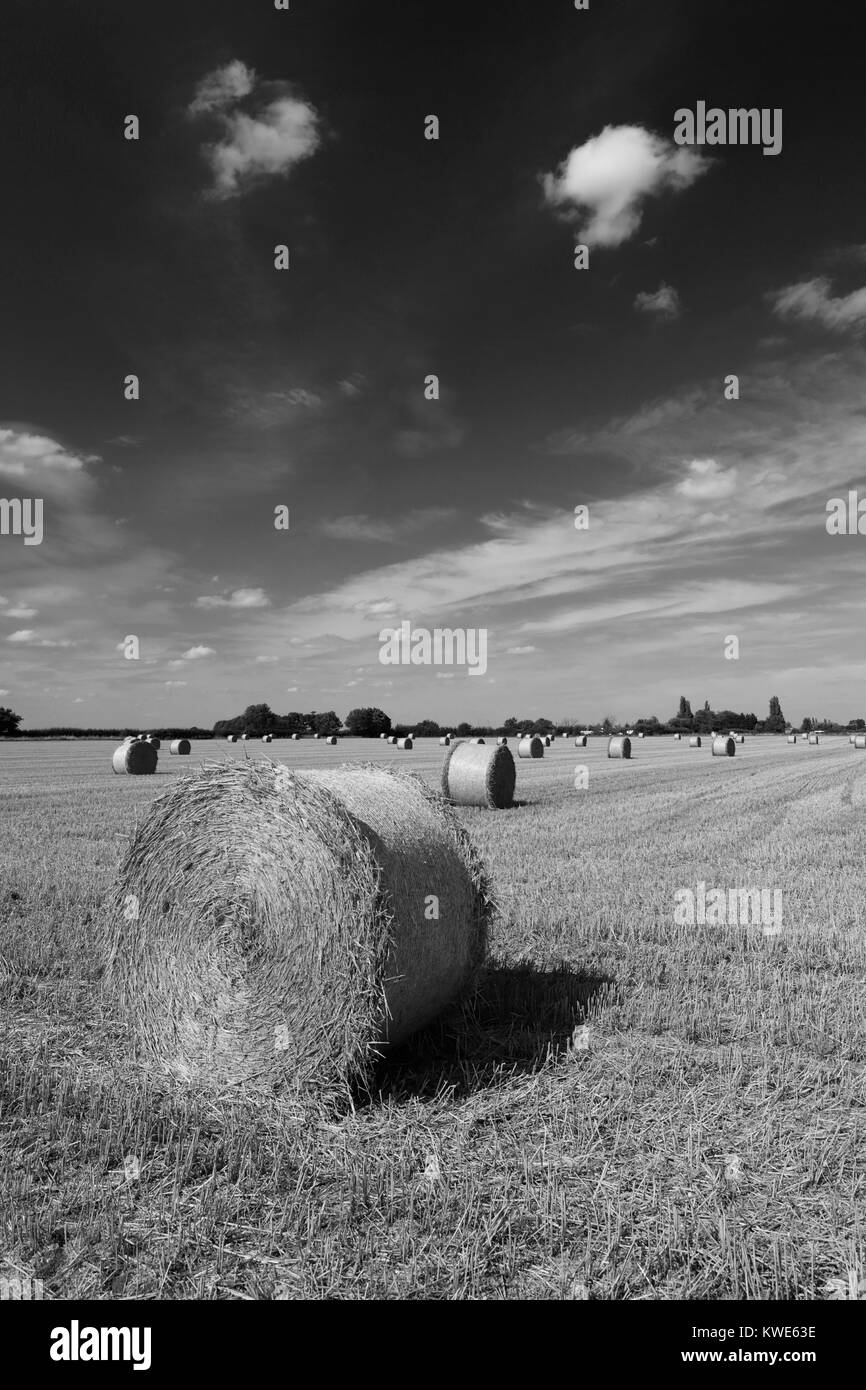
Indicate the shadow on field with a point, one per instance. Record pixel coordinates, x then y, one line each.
518 1019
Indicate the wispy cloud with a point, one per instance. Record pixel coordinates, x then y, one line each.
812 300
664 302
238 598
361 527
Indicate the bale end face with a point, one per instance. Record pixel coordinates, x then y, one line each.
136 759
180 747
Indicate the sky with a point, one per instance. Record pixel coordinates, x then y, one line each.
451 504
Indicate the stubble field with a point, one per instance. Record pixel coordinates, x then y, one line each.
628 1108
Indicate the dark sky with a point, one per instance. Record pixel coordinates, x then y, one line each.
305 388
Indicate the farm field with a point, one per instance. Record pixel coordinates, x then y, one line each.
627 1108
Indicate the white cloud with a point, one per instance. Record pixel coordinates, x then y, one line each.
175 683
291 689
26 637
198 653
238 598
42 463
15 610
603 183
811 299
4 692
705 479
269 142
664 302
361 527
520 651
222 87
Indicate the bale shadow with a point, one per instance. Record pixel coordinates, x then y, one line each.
518 1019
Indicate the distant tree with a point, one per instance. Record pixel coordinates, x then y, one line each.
775 724
542 726
685 709
703 721
806 726
464 729
9 722
368 722
607 725
857 724
511 726
426 728
325 724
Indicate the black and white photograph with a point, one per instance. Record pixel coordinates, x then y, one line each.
432 666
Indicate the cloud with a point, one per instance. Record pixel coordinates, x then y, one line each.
16 610
223 87
361 527
705 479
520 651
239 598
26 637
278 135
665 302
174 683
198 653
811 299
42 463
4 692
603 184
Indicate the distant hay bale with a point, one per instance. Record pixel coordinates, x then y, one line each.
180 746
231 738
473 776
295 738
547 740
792 738
477 740
393 740
316 735
677 737
695 741
244 738
860 740
580 741
267 738
136 758
813 738
331 740
724 746
641 735
619 746
502 741
383 735
445 742
405 743
851 738
740 738
283 937
154 742
530 746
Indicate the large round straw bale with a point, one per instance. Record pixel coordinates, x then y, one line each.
383 735
530 746
231 738
619 746
180 746
445 742
477 740
695 741
154 742
813 738
405 743
580 741
473 776
860 741
244 738
283 934
792 738
332 740
724 746
136 757
393 740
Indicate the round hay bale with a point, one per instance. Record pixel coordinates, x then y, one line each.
383 735
231 738
792 738
316 735
860 740
502 741
244 738
547 740
295 738
695 741
477 741
619 746
267 738
445 742
180 746
530 747
677 737
813 738
641 735
393 740
154 742
580 741
331 740
724 746
405 743
136 758
472 776
282 937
